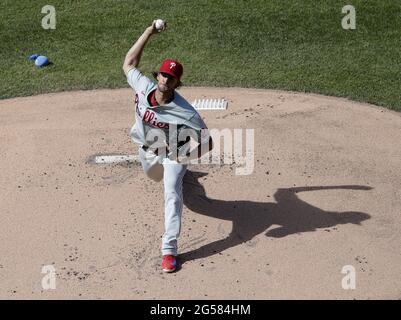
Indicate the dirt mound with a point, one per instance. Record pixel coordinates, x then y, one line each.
324 193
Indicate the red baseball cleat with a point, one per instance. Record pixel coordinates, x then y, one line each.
169 263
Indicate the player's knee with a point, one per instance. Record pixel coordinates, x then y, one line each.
172 193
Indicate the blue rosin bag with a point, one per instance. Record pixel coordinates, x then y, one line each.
41 61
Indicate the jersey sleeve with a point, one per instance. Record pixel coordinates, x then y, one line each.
137 80
196 122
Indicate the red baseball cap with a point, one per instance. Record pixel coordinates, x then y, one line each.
173 68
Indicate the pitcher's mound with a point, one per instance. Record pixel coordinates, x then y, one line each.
318 217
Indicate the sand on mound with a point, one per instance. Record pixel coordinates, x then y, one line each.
325 192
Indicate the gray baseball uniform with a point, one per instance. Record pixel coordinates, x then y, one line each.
152 120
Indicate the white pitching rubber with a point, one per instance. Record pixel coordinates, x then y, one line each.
210 104
116 159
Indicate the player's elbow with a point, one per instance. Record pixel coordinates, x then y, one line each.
127 67
129 64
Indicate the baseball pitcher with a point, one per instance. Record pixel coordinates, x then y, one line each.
160 113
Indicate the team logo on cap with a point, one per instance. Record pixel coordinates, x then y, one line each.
172 65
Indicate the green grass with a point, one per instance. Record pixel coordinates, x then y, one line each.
279 44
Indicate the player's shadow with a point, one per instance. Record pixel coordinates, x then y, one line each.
249 218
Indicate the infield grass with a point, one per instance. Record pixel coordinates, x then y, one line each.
278 44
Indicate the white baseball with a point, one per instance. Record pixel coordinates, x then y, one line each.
159 24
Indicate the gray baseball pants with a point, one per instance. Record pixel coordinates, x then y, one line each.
158 168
